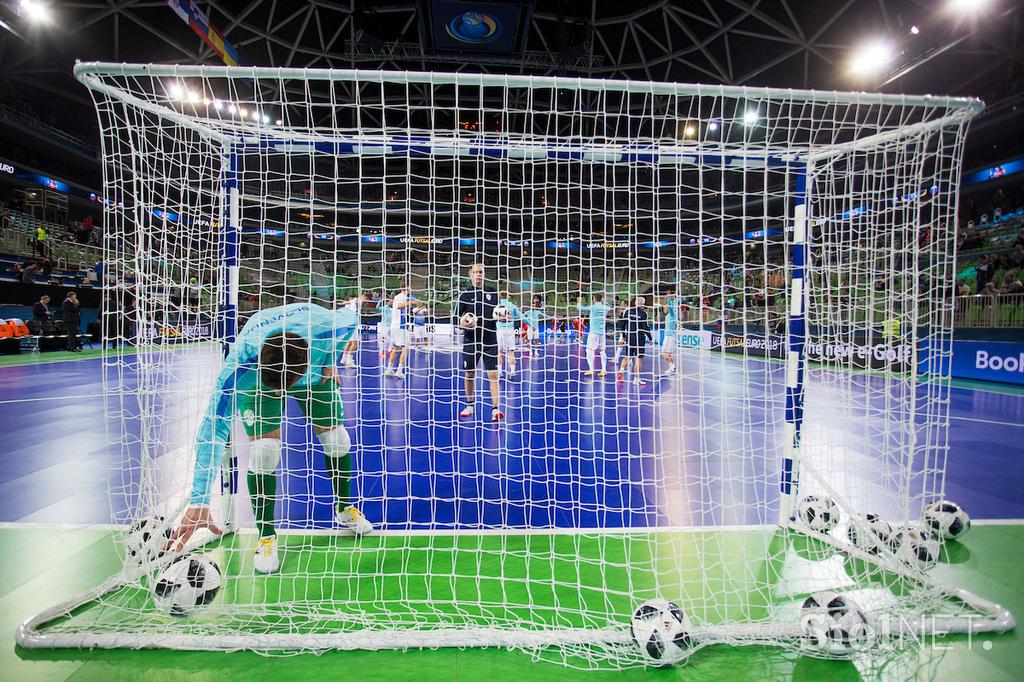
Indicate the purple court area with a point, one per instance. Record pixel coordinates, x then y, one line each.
574 452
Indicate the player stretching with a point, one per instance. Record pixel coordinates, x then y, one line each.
480 339
507 334
348 356
598 311
533 318
638 334
290 351
668 343
399 332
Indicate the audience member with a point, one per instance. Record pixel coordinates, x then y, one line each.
41 309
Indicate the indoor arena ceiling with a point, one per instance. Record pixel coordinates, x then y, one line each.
784 43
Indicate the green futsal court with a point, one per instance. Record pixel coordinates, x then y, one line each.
45 565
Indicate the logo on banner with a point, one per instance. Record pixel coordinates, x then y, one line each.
998 363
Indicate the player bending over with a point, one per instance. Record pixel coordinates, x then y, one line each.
598 311
399 334
290 351
668 343
638 334
507 334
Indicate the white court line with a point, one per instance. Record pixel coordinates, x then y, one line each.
49 397
32 525
988 421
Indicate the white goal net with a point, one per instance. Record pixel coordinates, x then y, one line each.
791 252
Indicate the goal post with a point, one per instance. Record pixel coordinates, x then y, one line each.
793 250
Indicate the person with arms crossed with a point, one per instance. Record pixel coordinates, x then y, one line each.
638 334
533 319
480 339
598 311
288 351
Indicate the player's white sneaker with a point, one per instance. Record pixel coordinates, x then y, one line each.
467 411
388 372
398 374
265 559
671 372
497 415
639 382
353 519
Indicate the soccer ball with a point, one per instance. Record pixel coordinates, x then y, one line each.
833 625
861 537
501 313
662 631
818 513
946 520
914 547
189 582
146 538
467 321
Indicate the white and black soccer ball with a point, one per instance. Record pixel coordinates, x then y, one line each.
188 583
146 539
467 321
946 520
818 513
915 548
501 313
870 533
662 631
834 626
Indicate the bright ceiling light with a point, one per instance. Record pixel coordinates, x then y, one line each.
218 105
255 115
231 108
713 126
871 58
751 117
689 131
278 122
36 12
968 6
175 91
193 96
914 30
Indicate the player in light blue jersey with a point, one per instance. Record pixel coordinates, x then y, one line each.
506 315
289 351
670 330
395 364
598 311
533 318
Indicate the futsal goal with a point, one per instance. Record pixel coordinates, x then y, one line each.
804 241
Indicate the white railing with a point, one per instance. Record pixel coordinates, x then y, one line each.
1000 310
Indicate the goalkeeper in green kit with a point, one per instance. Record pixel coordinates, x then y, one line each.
290 351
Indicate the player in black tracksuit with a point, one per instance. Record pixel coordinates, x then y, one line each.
638 334
479 341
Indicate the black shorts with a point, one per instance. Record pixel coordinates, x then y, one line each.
636 348
476 347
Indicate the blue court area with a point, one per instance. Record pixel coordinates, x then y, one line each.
575 452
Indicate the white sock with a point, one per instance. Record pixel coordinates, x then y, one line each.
590 359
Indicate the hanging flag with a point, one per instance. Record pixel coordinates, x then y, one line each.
195 18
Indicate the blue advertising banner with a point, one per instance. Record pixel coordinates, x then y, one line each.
989 361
